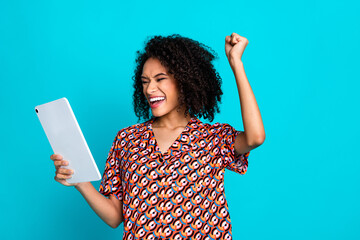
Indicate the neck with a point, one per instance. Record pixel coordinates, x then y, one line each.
171 121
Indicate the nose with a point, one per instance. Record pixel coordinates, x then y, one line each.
151 87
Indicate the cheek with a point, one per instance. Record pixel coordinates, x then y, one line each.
172 94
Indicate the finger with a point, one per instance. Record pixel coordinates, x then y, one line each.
62 181
242 39
58 163
56 157
234 40
65 171
234 34
227 39
60 176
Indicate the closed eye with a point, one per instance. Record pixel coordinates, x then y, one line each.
144 82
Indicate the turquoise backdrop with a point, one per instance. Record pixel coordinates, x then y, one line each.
302 62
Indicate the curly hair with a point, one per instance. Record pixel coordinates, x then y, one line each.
190 63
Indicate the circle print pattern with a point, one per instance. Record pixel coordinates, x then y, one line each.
178 194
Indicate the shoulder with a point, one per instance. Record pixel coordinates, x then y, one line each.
218 128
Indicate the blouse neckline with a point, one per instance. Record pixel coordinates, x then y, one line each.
176 144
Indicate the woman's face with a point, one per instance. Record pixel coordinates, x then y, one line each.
159 88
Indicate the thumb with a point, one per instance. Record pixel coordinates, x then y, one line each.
227 45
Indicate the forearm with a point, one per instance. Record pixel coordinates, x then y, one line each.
101 205
253 125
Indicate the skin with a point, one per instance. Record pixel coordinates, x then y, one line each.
254 132
108 209
171 121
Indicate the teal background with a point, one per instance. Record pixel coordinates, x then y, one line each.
301 61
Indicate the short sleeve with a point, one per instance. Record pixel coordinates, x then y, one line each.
111 183
234 163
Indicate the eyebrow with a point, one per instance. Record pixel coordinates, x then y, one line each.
155 75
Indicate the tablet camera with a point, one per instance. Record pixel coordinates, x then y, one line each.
36 110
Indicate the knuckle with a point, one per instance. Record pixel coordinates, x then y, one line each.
56 157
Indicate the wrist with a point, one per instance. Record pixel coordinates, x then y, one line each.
234 62
236 65
81 185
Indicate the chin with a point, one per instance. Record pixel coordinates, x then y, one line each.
157 114
161 112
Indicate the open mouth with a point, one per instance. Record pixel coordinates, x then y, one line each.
155 102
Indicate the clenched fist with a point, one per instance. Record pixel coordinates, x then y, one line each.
234 47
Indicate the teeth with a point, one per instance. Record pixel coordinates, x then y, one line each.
156 99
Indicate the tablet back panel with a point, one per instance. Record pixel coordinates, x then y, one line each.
66 139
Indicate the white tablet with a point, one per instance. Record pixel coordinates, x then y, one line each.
66 139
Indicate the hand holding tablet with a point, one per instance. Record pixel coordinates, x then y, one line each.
68 142
62 173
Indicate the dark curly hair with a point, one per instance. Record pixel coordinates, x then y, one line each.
190 63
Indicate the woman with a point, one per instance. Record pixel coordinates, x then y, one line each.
164 178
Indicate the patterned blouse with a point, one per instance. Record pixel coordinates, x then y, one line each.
178 194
